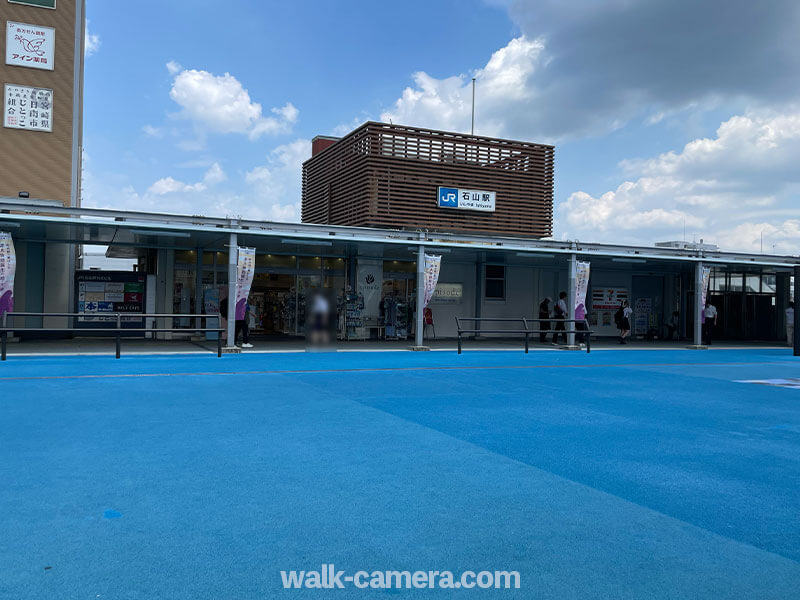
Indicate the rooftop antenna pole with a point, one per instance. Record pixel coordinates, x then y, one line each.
472 131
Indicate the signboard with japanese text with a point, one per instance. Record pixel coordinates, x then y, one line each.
466 199
39 3
28 108
30 45
8 267
245 269
432 265
99 292
581 282
448 293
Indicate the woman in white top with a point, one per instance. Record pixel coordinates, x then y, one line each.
625 323
709 322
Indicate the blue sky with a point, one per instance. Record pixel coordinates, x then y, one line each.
667 115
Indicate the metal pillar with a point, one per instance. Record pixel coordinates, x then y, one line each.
698 304
796 351
420 294
198 288
573 275
233 256
478 290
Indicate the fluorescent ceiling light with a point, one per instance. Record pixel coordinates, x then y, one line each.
9 224
176 234
535 255
629 260
307 242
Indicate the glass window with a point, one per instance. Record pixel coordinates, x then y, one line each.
753 284
276 261
310 262
333 264
495 287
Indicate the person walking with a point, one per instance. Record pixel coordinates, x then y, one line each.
790 324
672 326
580 324
623 318
243 326
559 314
709 322
544 313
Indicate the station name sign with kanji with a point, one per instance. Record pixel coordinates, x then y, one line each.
466 199
30 46
28 108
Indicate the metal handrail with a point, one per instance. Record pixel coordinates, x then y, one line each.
526 331
117 331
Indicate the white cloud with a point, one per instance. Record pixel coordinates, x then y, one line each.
215 174
504 87
168 185
91 42
222 105
277 183
151 131
717 188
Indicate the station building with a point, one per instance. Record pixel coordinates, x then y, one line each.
182 259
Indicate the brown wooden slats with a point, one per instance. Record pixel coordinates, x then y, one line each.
387 176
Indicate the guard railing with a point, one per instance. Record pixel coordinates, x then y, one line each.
524 328
118 331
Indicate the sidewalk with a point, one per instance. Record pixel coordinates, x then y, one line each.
105 346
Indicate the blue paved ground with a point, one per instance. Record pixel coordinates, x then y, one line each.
619 474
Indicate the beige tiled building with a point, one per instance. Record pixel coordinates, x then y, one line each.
42 76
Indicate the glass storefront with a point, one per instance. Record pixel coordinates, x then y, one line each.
281 286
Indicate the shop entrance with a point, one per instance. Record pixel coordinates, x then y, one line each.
272 301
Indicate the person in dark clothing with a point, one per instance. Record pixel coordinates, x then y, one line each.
544 313
559 314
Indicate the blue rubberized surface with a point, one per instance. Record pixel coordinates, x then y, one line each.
619 474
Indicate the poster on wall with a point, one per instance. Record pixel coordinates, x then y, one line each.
608 298
30 46
28 108
642 309
581 283
245 269
109 292
8 267
369 285
605 302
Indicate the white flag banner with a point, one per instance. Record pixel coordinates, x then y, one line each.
245 268
706 277
581 282
432 265
8 267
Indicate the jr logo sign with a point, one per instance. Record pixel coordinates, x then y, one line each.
448 197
